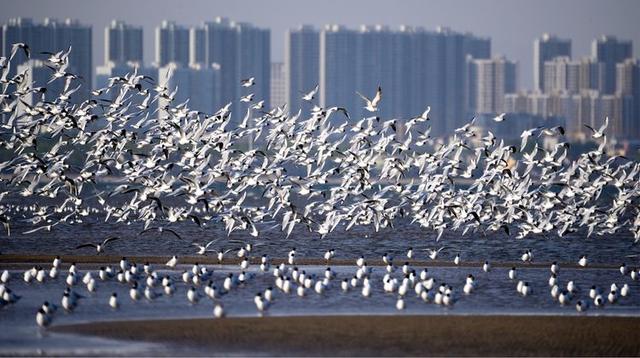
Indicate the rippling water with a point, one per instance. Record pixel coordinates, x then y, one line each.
493 246
495 294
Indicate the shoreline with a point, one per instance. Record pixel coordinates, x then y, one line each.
381 335
28 259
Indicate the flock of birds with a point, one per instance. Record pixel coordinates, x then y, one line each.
279 170
198 282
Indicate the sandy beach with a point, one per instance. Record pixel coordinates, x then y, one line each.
384 335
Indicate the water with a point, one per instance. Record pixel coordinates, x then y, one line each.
493 246
495 294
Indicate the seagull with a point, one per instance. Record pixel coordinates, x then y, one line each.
161 230
433 253
42 318
583 261
500 118
172 262
100 246
311 95
20 46
218 311
247 98
113 301
248 82
202 249
600 132
372 105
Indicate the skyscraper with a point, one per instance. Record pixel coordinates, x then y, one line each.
561 74
242 51
490 80
254 60
374 67
338 68
53 36
544 49
278 95
123 43
628 90
610 51
197 83
301 66
171 44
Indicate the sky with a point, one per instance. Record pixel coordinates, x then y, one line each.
512 25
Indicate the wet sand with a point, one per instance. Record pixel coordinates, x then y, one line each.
20 260
383 335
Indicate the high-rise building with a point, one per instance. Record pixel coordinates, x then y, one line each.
628 90
375 67
254 60
242 51
561 74
545 49
197 83
441 80
122 42
489 81
416 68
301 66
338 68
53 36
610 51
171 44
278 93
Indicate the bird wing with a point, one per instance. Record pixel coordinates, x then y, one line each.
173 232
363 97
377 98
109 239
86 245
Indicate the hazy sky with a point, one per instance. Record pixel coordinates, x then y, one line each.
511 24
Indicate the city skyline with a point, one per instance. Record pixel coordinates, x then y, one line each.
511 25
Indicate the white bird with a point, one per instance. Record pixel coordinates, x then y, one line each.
218 311
192 295
499 118
433 253
512 274
261 304
113 301
372 105
172 262
134 292
99 246
486 267
583 261
624 291
203 249
248 82
598 301
623 269
310 95
456 260
582 306
42 318
400 303
600 132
